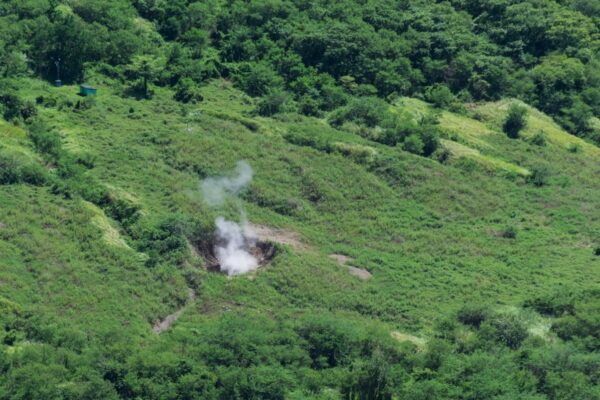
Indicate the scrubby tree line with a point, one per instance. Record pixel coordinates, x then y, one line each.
478 353
312 57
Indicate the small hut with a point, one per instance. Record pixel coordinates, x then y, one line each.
87 90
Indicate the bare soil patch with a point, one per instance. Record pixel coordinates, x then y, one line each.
360 273
344 260
341 259
275 235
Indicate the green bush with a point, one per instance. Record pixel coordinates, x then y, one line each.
367 111
473 314
506 329
186 91
510 232
440 96
272 103
309 106
539 139
13 107
539 175
413 144
15 169
257 79
9 169
46 140
515 120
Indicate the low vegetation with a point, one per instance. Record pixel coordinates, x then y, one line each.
444 153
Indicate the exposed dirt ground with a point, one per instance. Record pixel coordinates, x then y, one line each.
281 236
343 260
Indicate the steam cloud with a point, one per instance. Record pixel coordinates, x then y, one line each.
233 240
232 246
216 189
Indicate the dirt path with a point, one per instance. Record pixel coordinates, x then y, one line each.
165 323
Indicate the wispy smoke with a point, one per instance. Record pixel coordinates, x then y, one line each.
216 189
233 240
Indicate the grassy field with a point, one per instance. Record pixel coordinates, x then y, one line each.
433 235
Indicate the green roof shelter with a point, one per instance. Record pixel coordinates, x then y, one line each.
87 90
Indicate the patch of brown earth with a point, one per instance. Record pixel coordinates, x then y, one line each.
341 259
281 236
360 273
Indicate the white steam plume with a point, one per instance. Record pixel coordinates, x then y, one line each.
233 240
232 248
216 189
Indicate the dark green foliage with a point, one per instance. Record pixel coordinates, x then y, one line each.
12 107
515 121
413 144
186 91
440 96
15 169
539 139
368 111
473 314
84 104
165 241
369 380
506 329
510 232
272 103
539 175
378 123
257 79
556 305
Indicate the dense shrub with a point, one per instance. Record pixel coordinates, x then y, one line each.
515 120
506 329
13 107
440 96
272 103
368 111
510 232
413 144
257 79
539 175
186 91
473 314
539 139
46 140
15 169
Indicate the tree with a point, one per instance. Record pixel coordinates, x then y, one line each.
440 96
144 68
515 120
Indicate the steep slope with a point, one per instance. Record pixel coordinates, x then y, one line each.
78 276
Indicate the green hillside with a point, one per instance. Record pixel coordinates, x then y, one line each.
420 251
